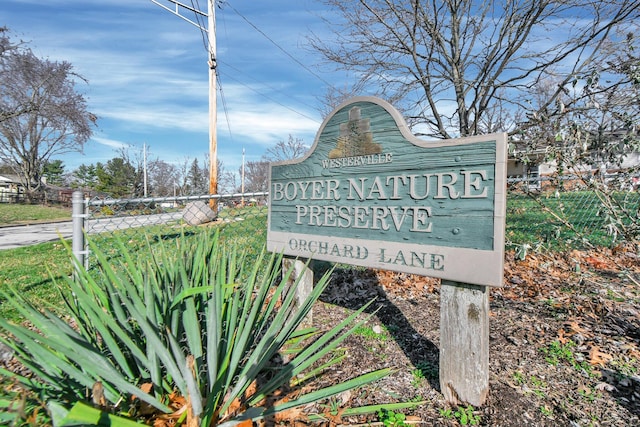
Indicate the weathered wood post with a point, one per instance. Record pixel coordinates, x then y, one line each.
303 274
370 193
464 343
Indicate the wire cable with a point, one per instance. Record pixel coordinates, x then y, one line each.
279 47
224 105
201 25
267 85
269 98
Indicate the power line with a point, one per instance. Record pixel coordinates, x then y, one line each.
280 47
199 22
201 25
224 105
271 99
262 94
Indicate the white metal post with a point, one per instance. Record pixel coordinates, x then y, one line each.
78 216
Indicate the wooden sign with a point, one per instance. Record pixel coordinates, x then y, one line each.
369 193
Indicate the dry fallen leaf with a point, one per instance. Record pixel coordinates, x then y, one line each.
604 386
97 394
597 357
596 263
576 328
146 387
334 420
561 338
290 416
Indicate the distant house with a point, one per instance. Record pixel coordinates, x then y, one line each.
11 189
539 166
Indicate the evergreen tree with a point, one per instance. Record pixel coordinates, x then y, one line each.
85 176
117 178
53 171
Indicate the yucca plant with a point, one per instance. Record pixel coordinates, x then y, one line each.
195 332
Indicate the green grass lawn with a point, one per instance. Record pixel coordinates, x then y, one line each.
541 222
36 271
16 214
30 270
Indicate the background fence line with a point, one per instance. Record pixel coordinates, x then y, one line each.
101 215
541 211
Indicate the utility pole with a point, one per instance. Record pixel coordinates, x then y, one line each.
213 108
144 167
210 30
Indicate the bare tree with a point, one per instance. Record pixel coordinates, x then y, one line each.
256 176
286 150
227 182
164 178
135 156
183 173
592 133
595 120
5 42
447 63
6 46
335 96
49 116
256 173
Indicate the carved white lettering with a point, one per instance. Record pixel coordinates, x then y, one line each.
325 248
475 183
412 259
366 217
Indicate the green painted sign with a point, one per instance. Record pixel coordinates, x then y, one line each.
370 193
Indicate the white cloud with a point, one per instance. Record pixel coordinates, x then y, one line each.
270 125
188 120
111 143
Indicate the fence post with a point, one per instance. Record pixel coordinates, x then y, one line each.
78 221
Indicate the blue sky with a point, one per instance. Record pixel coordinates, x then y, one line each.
148 77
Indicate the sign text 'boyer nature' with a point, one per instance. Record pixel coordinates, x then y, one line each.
369 193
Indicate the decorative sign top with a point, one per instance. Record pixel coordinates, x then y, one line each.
370 193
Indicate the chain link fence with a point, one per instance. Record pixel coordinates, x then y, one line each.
541 213
572 211
235 217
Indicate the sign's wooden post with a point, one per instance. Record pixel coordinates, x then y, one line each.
464 343
370 193
305 286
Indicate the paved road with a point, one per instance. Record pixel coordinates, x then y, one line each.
25 235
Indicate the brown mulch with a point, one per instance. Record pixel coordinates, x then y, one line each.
564 341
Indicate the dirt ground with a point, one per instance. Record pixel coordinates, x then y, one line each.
564 342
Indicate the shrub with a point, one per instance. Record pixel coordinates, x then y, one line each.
197 332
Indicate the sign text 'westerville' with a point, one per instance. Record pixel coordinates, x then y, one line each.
371 194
